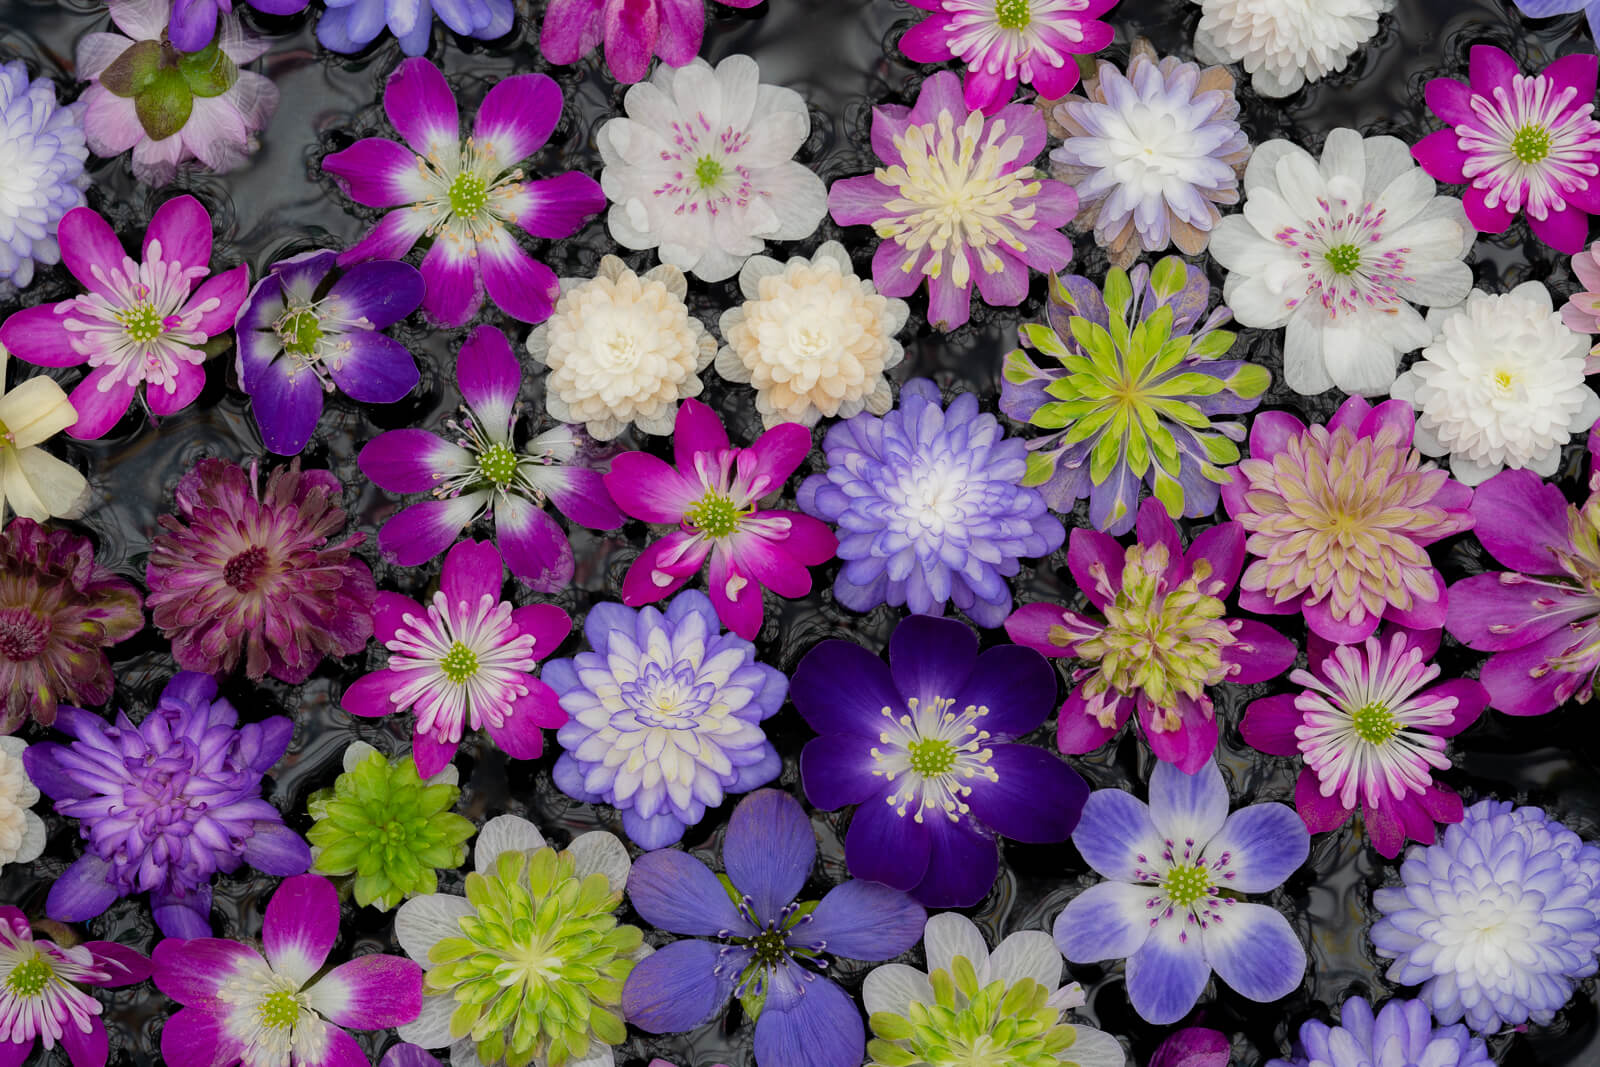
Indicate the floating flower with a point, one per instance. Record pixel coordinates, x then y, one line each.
666 716
1130 386
239 1007
304 332
957 201
1497 922
931 506
59 611
525 902
671 29
1340 517
713 496
1581 312
1177 872
249 574
465 661
1502 385
408 1055
702 166
1337 253
165 804
1195 1046
390 828
1372 727
622 348
1402 1033
812 338
194 22
464 194
21 831
35 484
1151 153
483 468
769 948
352 25
1285 46
42 142
1539 9
1163 639
1520 143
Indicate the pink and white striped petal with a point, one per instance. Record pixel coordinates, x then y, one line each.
516 117
378 172
369 993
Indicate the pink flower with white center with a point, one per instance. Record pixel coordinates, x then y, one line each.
140 323
467 659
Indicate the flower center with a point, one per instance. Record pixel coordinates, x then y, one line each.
1343 259
934 756
244 570
299 332
142 322
1185 884
459 665
707 172
929 753
468 194
30 977
1012 14
716 515
1531 144
1374 723
771 947
279 1010
997 1025
23 634
667 699
498 464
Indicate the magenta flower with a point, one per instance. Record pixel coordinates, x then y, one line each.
631 31
241 1007
714 498
1520 143
464 194
140 323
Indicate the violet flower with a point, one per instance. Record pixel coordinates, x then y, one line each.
1539 9
1403 1032
631 33
194 22
43 144
350 25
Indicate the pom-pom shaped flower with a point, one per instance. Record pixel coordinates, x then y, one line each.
1403 1032
21 831
59 611
713 496
769 947
812 338
165 804
1162 641
140 323
1151 153
622 348
390 828
1177 871
1285 46
957 201
702 166
350 25
1372 728
926 748
251 574
1129 385
930 502
1502 385
1337 252
1340 517
42 142
305 331
483 469
666 716
1581 312
33 483
1497 922
1520 143
1004 1009
631 34
465 194
544 923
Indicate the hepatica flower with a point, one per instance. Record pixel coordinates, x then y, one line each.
1177 872
44 148
1539 9
465 194
350 25
630 33
194 22
1403 1032
1195 1046
33 483
769 949
1285 46
1161 641
666 716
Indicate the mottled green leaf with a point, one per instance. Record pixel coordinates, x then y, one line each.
1220 450
1052 416
134 69
1103 459
1212 345
1043 338
1119 293
163 106
1041 468
1169 491
208 72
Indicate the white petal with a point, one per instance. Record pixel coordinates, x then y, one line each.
1095 1048
501 834
1387 159
1360 355
894 987
424 921
33 838
949 935
1304 369
1344 162
431 1029
356 754
1535 293
598 852
1025 954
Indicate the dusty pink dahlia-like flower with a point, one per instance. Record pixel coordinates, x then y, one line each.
253 574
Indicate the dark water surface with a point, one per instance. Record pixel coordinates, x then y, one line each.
840 55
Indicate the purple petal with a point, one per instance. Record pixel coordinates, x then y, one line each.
1252 948
407 1055
1107 921
184 229
1259 652
516 117
193 971
1037 799
1491 615
535 546
374 369
301 926
82 892
768 850
676 892
195 1037
490 378
42 761
287 402
1195 1047
1188 807
518 284
189 917
1522 682
1090 554
454 283
1522 521
864 921
840 687
275 849
675 988
421 106
1269 725
1165 977
391 238
557 207
883 845
425 529
580 494
1017 685
383 291
1115 834
932 658
411 461
822 1029
1264 844
370 992
376 172
962 863
836 771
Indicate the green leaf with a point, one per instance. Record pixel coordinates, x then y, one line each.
1219 449
1065 387
1191 383
209 72
1052 416
163 106
1168 277
1138 452
1250 380
134 69
1041 468
1212 345
1018 369
1119 293
1103 459
1169 491
1043 338
1181 411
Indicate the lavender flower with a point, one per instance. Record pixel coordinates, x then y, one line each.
42 144
194 22
350 25
1402 1033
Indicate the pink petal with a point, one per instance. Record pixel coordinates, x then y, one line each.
810 541
220 296
1450 100
192 971
683 27
518 284
86 1049
369 992
372 696
425 529
859 202
548 624
1078 732
1520 681
1271 432
1188 747
391 238
1095 560
1320 617
472 571
99 409
985 90
1489 67
697 429
557 207
571 30
1522 520
339 1049
1577 72
536 547
431 753
455 288
1269 723
186 385
375 171
184 229
1320 813
580 494
1471 700
520 736
1485 219
928 41
768 564
663 568
301 926
422 108
1261 652
36 335
645 487
87 241
775 455
1566 230
516 117
630 28
490 378
1440 155
388 614
1394 415
411 461
1222 547
195 1037
1031 624
735 595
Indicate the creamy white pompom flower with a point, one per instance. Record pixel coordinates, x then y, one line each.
1286 43
21 831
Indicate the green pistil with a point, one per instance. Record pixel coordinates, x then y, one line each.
1184 885
468 195
770 948
932 757
279 1010
1343 259
142 323
498 464
1531 144
1012 14
300 332
459 664
715 515
28 978
1374 724
707 172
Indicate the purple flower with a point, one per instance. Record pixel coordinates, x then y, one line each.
931 506
631 32
42 142
666 716
925 747
1195 1046
482 468
464 194
1540 9
767 945
165 804
194 22
408 1055
350 25
1402 1033
1172 904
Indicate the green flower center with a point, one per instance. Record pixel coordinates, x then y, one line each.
1531 144
1012 14
29 978
933 756
498 464
715 515
459 664
279 1010
299 332
771 948
1374 724
1186 884
1343 259
142 322
468 195
707 172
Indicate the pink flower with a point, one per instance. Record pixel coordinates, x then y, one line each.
714 497
631 30
1581 313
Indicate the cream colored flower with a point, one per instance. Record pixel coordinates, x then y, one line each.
621 348
34 483
812 338
21 831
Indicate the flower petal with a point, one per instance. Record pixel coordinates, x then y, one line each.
301 926
193 971
427 528
369 992
1037 798
676 892
195 1037
676 988
645 487
822 1029
962 863
1252 948
932 658
411 461
183 228
1166 976
518 284
1264 843
840 687
378 172
516 118
1188 808
504 833
865 921
422 108
1107 921
1115 835
535 546
422 922
87 241
768 850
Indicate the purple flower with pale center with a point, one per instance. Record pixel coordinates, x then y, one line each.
278 1011
194 22
766 942
165 804
140 323
464 195
483 469
1177 872
350 25
1402 1033
42 143
631 32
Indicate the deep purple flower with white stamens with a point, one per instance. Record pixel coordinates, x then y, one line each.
42 144
164 805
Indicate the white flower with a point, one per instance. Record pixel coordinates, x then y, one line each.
812 338
703 167
21 831
34 483
1335 252
1501 386
1285 43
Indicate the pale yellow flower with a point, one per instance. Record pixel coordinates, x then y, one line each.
33 483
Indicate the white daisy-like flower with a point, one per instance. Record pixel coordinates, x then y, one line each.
1284 44
703 167
1501 386
1338 252
21 831
622 348
812 338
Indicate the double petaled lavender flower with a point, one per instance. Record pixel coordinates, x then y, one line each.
42 143
1402 1033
